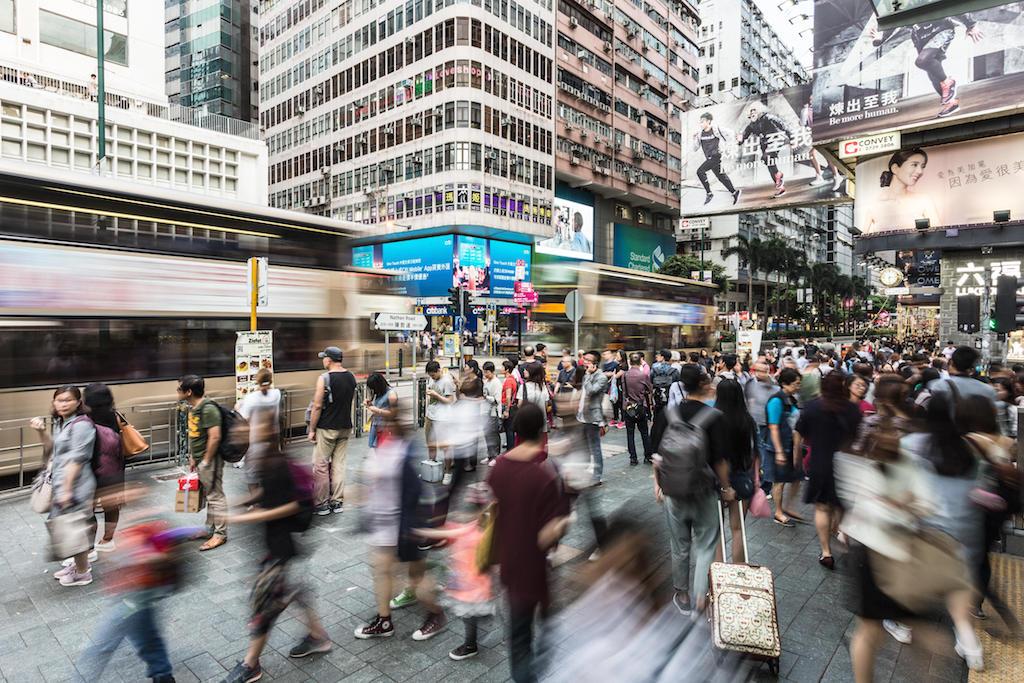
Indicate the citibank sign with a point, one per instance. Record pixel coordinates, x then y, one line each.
869 144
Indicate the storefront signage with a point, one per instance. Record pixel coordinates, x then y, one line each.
971 277
869 144
639 249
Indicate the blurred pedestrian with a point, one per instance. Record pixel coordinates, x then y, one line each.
440 397
110 477
390 516
663 376
492 388
857 388
592 417
532 515
742 453
266 399
330 427
468 594
285 507
535 391
757 392
381 404
691 478
74 485
204 437
827 424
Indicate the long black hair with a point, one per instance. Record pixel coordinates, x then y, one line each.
948 451
731 402
100 401
898 159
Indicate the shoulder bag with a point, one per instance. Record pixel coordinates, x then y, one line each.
42 490
132 441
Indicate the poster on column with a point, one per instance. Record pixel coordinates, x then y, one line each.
868 80
755 154
254 351
748 343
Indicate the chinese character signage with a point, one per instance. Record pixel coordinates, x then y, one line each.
974 277
869 80
755 154
955 184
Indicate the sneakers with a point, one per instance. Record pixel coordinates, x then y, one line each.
105 546
446 480
404 599
337 507
244 674
73 578
684 606
463 652
432 545
948 108
779 192
736 196
310 645
380 627
323 510
780 186
837 181
899 632
433 625
948 88
64 570
818 181
973 658
708 198
594 556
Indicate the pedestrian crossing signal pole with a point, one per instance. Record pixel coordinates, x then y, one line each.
254 291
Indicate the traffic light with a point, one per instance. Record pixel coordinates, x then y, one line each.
455 299
968 313
1009 303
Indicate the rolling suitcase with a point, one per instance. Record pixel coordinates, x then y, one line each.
431 471
741 606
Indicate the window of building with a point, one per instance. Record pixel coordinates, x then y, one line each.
721 85
7 16
73 35
735 82
711 50
708 89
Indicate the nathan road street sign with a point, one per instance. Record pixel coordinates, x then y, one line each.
393 322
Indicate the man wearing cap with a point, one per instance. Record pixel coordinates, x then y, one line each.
330 426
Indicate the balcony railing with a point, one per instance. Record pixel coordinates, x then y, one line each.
34 78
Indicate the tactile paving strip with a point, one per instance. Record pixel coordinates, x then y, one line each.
1004 657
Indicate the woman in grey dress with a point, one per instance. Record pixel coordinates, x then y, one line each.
74 485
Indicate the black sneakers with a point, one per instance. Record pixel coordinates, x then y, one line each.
433 625
463 652
244 674
380 627
310 645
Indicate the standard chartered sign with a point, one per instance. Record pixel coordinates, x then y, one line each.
639 249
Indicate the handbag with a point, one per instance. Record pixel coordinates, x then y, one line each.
633 409
132 441
934 570
42 490
759 505
487 549
69 534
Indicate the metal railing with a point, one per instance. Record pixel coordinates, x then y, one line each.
193 116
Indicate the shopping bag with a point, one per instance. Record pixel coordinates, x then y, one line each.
42 490
69 534
759 505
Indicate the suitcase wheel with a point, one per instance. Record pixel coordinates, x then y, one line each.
773 666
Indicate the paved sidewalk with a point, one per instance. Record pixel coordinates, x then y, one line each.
46 626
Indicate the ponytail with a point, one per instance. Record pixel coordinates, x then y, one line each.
885 179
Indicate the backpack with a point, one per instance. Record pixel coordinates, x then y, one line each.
682 460
234 430
662 381
328 396
302 481
107 458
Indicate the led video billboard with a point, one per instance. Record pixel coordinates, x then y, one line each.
573 227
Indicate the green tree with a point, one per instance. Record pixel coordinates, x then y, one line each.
684 265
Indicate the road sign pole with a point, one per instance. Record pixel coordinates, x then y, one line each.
576 321
387 354
254 271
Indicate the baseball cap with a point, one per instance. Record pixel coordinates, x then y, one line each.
332 352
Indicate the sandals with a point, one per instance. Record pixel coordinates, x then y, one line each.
788 523
796 518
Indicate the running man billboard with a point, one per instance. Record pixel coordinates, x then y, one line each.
956 184
868 80
755 154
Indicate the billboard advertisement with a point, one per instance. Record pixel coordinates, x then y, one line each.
755 154
954 184
429 266
573 227
644 250
869 80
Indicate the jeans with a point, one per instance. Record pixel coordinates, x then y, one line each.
510 431
329 457
692 528
492 436
520 642
212 479
641 422
592 437
133 616
767 458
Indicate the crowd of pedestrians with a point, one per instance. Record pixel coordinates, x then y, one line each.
904 453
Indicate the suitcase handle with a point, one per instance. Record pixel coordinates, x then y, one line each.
722 507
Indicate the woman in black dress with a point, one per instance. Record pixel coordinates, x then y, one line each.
828 424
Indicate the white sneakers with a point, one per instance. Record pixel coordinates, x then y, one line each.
105 546
68 576
973 658
899 632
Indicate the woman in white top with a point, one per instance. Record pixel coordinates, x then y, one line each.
264 404
535 390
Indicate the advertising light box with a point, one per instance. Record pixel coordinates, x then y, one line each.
644 250
573 228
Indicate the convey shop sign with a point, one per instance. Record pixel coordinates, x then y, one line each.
869 144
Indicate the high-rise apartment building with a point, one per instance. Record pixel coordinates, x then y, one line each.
411 114
48 102
210 56
626 71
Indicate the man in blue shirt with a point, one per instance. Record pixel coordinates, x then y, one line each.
579 240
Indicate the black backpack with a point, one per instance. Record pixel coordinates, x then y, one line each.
234 431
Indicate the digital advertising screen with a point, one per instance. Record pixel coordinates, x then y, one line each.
573 228
870 80
505 258
471 264
754 154
959 183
